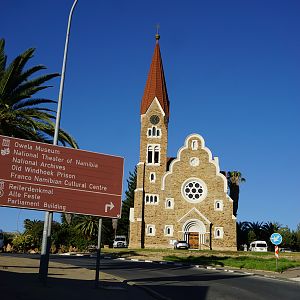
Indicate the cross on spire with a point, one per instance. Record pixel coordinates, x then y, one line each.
157 36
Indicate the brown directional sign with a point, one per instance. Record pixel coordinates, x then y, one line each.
53 178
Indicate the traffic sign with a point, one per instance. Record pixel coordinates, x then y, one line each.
52 178
276 238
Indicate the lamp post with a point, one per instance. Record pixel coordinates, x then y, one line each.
44 261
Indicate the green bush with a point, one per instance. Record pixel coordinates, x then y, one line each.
23 243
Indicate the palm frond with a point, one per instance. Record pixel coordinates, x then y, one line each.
21 115
31 102
3 57
15 70
29 88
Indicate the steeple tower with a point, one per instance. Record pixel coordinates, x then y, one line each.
155 110
156 84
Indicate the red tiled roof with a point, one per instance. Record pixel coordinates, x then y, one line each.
156 84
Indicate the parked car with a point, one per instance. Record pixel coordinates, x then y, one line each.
181 245
120 242
285 250
259 246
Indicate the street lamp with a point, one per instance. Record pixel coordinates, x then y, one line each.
44 261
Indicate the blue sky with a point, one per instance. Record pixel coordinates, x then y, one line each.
232 70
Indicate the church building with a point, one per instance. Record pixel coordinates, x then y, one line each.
181 198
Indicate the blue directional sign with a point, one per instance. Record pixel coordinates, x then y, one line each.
276 238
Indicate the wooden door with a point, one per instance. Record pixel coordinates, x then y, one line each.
194 240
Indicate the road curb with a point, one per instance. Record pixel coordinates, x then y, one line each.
203 267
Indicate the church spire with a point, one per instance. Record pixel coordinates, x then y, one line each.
156 84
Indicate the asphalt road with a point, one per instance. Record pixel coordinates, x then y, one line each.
179 282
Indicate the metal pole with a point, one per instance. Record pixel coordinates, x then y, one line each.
98 254
62 79
44 261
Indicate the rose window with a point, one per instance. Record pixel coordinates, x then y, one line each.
194 190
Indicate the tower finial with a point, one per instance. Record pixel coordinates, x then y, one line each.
157 36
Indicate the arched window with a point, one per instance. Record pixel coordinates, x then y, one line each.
153 154
169 204
219 205
150 230
219 232
150 154
151 199
169 230
154 132
156 154
152 177
194 144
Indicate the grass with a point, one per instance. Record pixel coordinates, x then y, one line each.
241 262
236 259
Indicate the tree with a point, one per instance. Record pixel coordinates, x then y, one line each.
88 226
289 239
35 230
268 229
297 236
123 224
255 230
234 178
21 115
242 233
22 242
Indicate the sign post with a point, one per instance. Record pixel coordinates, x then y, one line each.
44 177
277 256
276 240
51 178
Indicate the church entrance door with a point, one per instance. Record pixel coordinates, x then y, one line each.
194 240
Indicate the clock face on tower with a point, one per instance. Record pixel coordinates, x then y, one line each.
154 119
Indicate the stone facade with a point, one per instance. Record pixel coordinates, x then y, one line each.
183 198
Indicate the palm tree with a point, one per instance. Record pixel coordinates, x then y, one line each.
87 225
268 228
21 115
35 229
242 229
234 178
255 230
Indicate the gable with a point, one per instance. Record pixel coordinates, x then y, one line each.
186 156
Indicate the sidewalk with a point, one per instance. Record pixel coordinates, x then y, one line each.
19 280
